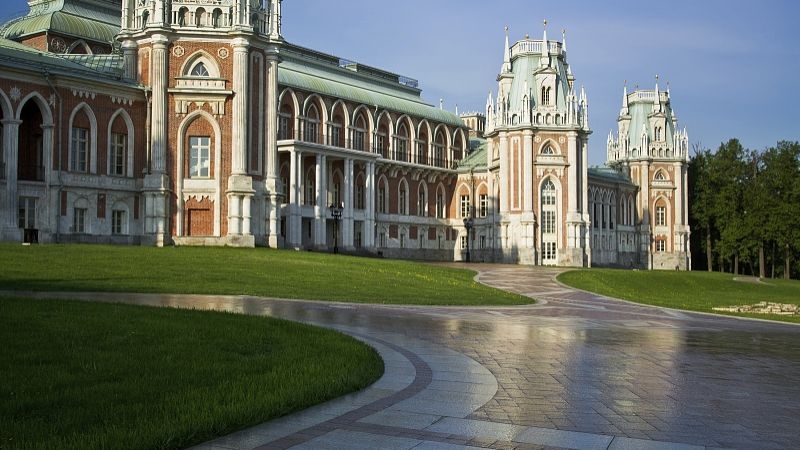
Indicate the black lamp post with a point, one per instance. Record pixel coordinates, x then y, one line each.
468 222
336 212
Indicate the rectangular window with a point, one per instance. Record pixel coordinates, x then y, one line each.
79 220
483 201
548 222
283 127
549 251
661 216
119 222
440 212
334 134
464 241
465 206
661 245
118 155
358 140
382 240
402 202
200 157
79 150
380 144
482 241
382 200
27 212
310 131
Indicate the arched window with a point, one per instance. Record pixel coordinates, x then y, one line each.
311 128
199 70
402 198
441 210
359 134
422 201
548 150
401 143
546 95
660 176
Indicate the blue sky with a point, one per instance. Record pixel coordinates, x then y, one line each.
733 66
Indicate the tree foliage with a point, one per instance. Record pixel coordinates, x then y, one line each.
745 205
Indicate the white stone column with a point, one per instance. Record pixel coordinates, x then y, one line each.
347 214
239 113
272 174
246 214
234 214
159 84
295 222
11 159
369 214
321 208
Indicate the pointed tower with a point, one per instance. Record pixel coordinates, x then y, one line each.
654 152
203 63
538 129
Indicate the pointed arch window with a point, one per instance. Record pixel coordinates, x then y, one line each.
546 95
402 199
548 150
200 70
660 176
311 128
359 134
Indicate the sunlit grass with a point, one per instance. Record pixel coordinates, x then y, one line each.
235 271
693 291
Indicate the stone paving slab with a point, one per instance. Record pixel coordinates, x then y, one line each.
575 371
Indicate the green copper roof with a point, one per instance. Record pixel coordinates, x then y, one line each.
340 82
608 174
96 21
476 159
105 67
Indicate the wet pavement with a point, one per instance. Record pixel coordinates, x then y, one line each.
576 370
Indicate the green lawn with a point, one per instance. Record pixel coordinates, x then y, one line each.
79 375
694 291
236 271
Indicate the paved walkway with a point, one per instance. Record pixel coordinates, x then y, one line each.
574 371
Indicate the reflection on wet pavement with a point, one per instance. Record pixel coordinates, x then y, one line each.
576 362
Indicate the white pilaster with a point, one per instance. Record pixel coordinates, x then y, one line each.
11 160
527 171
504 170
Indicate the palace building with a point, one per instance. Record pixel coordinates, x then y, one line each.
194 122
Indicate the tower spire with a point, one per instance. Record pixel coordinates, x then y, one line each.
624 111
564 41
545 61
507 55
657 101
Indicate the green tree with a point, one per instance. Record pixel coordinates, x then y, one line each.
727 175
781 186
701 199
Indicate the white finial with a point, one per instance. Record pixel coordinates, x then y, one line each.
545 61
441 103
564 40
507 55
